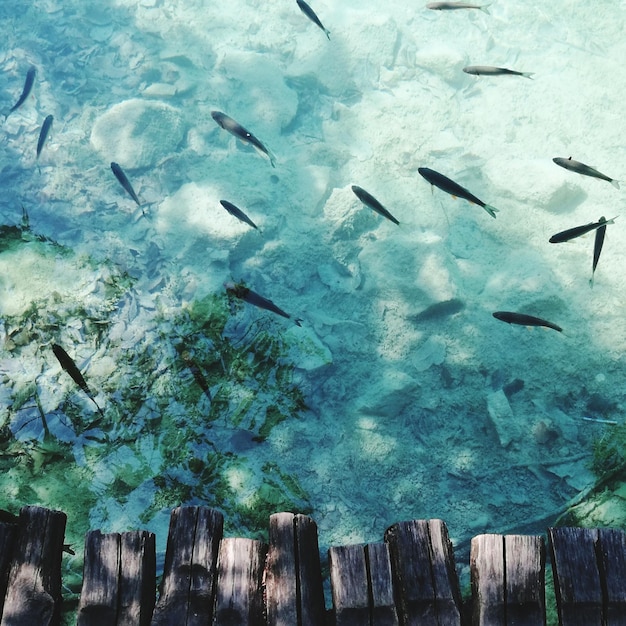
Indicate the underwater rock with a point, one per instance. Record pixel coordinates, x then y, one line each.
432 352
508 428
306 350
340 277
138 133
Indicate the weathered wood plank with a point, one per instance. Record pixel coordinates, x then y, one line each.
293 580
309 571
349 585
101 576
383 608
137 591
187 590
239 593
424 574
487 570
8 535
34 588
576 577
525 558
612 555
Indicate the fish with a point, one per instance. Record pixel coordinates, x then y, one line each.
43 133
578 231
449 6
197 374
243 293
445 308
28 86
585 170
369 201
597 247
67 363
525 320
489 70
454 189
238 213
310 13
123 180
236 129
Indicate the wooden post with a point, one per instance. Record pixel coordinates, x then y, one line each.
508 580
424 574
118 579
188 587
381 585
34 588
293 579
612 557
577 583
8 535
239 595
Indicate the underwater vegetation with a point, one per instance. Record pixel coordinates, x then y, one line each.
184 401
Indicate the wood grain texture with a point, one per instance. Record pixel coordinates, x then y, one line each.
309 572
612 556
577 583
34 587
487 569
383 608
239 594
8 536
349 585
137 591
188 586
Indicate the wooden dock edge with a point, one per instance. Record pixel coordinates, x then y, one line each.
409 578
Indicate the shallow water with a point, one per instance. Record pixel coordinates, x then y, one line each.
369 414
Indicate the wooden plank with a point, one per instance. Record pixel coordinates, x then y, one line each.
281 597
349 585
383 607
34 589
576 577
101 575
612 556
487 569
309 572
525 558
239 594
424 574
8 535
187 590
293 579
137 592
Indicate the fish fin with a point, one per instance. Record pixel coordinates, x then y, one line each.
298 321
484 9
615 183
490 209
327 33
528 75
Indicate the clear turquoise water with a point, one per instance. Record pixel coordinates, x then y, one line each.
368 414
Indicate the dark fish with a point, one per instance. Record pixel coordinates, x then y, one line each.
488 70
577 231
371 202
236 129
237 212
454 189
71 368
43 133
597 247
310 13
197 374
28 85
243 293
123 180
585 170
524 320
439 310
449 6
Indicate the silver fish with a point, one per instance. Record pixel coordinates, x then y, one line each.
243 293
28 85
578 231
449 6
43 133
585 170
597 247
524 320
369 201
310 13
236 129
238 213
454 189
489 70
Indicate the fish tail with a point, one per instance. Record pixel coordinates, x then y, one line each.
327 33
484 9
490 209
615 183
528 74
298 321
